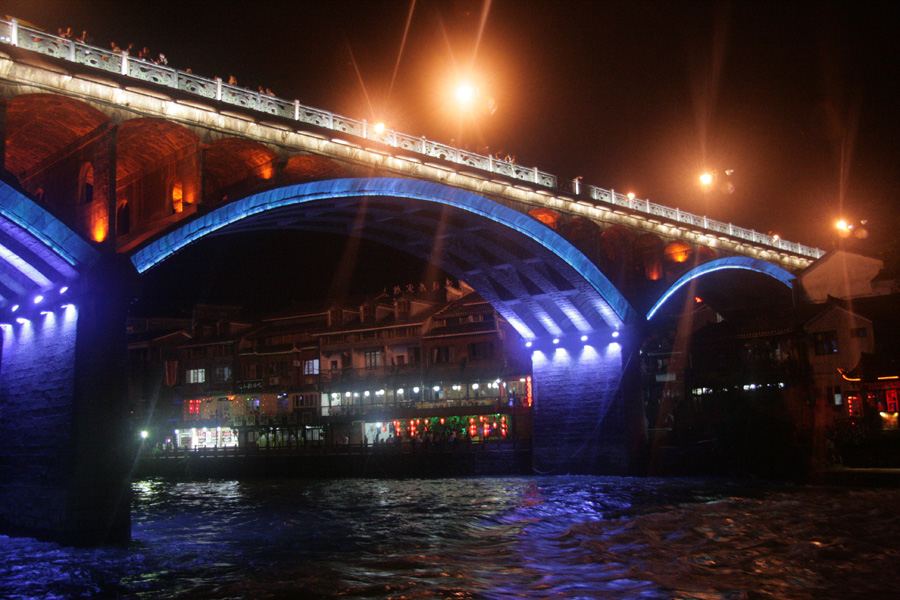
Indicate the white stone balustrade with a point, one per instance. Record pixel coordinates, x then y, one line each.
16 34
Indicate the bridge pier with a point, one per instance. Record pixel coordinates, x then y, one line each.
587 411
65 444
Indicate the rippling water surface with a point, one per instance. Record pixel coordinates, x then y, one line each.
497 538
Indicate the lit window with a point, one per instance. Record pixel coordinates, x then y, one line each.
373 359
311 367
196 375
834 395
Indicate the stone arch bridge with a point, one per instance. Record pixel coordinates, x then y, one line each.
111 165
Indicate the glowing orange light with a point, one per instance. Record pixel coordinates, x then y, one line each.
465 94
698 299
706 179
631 195
99 232
177 197
677 252
379 128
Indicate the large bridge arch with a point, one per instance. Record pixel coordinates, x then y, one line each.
542 284
554 296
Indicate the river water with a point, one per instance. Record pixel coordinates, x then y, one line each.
490 538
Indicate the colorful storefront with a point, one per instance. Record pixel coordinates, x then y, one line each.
875 399
204 438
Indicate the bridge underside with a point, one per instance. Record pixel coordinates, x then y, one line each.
38 254
540 283
555 298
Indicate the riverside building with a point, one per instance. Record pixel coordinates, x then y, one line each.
415 365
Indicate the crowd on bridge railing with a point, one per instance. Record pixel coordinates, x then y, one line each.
80 50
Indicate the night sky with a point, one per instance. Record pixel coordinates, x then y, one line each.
798 99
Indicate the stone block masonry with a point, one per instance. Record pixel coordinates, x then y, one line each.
65 441
581 422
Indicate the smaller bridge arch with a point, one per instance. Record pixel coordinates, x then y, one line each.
731 262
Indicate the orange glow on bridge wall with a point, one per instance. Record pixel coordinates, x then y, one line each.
177 197
99 231
267 171
546 216
678 252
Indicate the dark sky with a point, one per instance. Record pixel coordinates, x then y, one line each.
799 99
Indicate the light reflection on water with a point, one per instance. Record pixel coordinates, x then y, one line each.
497 538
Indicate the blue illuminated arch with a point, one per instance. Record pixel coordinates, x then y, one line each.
37 251
162 248
731 262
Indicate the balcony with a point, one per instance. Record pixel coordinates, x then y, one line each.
360 375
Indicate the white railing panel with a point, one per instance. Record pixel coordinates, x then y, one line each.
39 41
312 116
276 106
523 173
240 97
440 151
188 82
152 72
474 160
501 167
408 142
351 126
